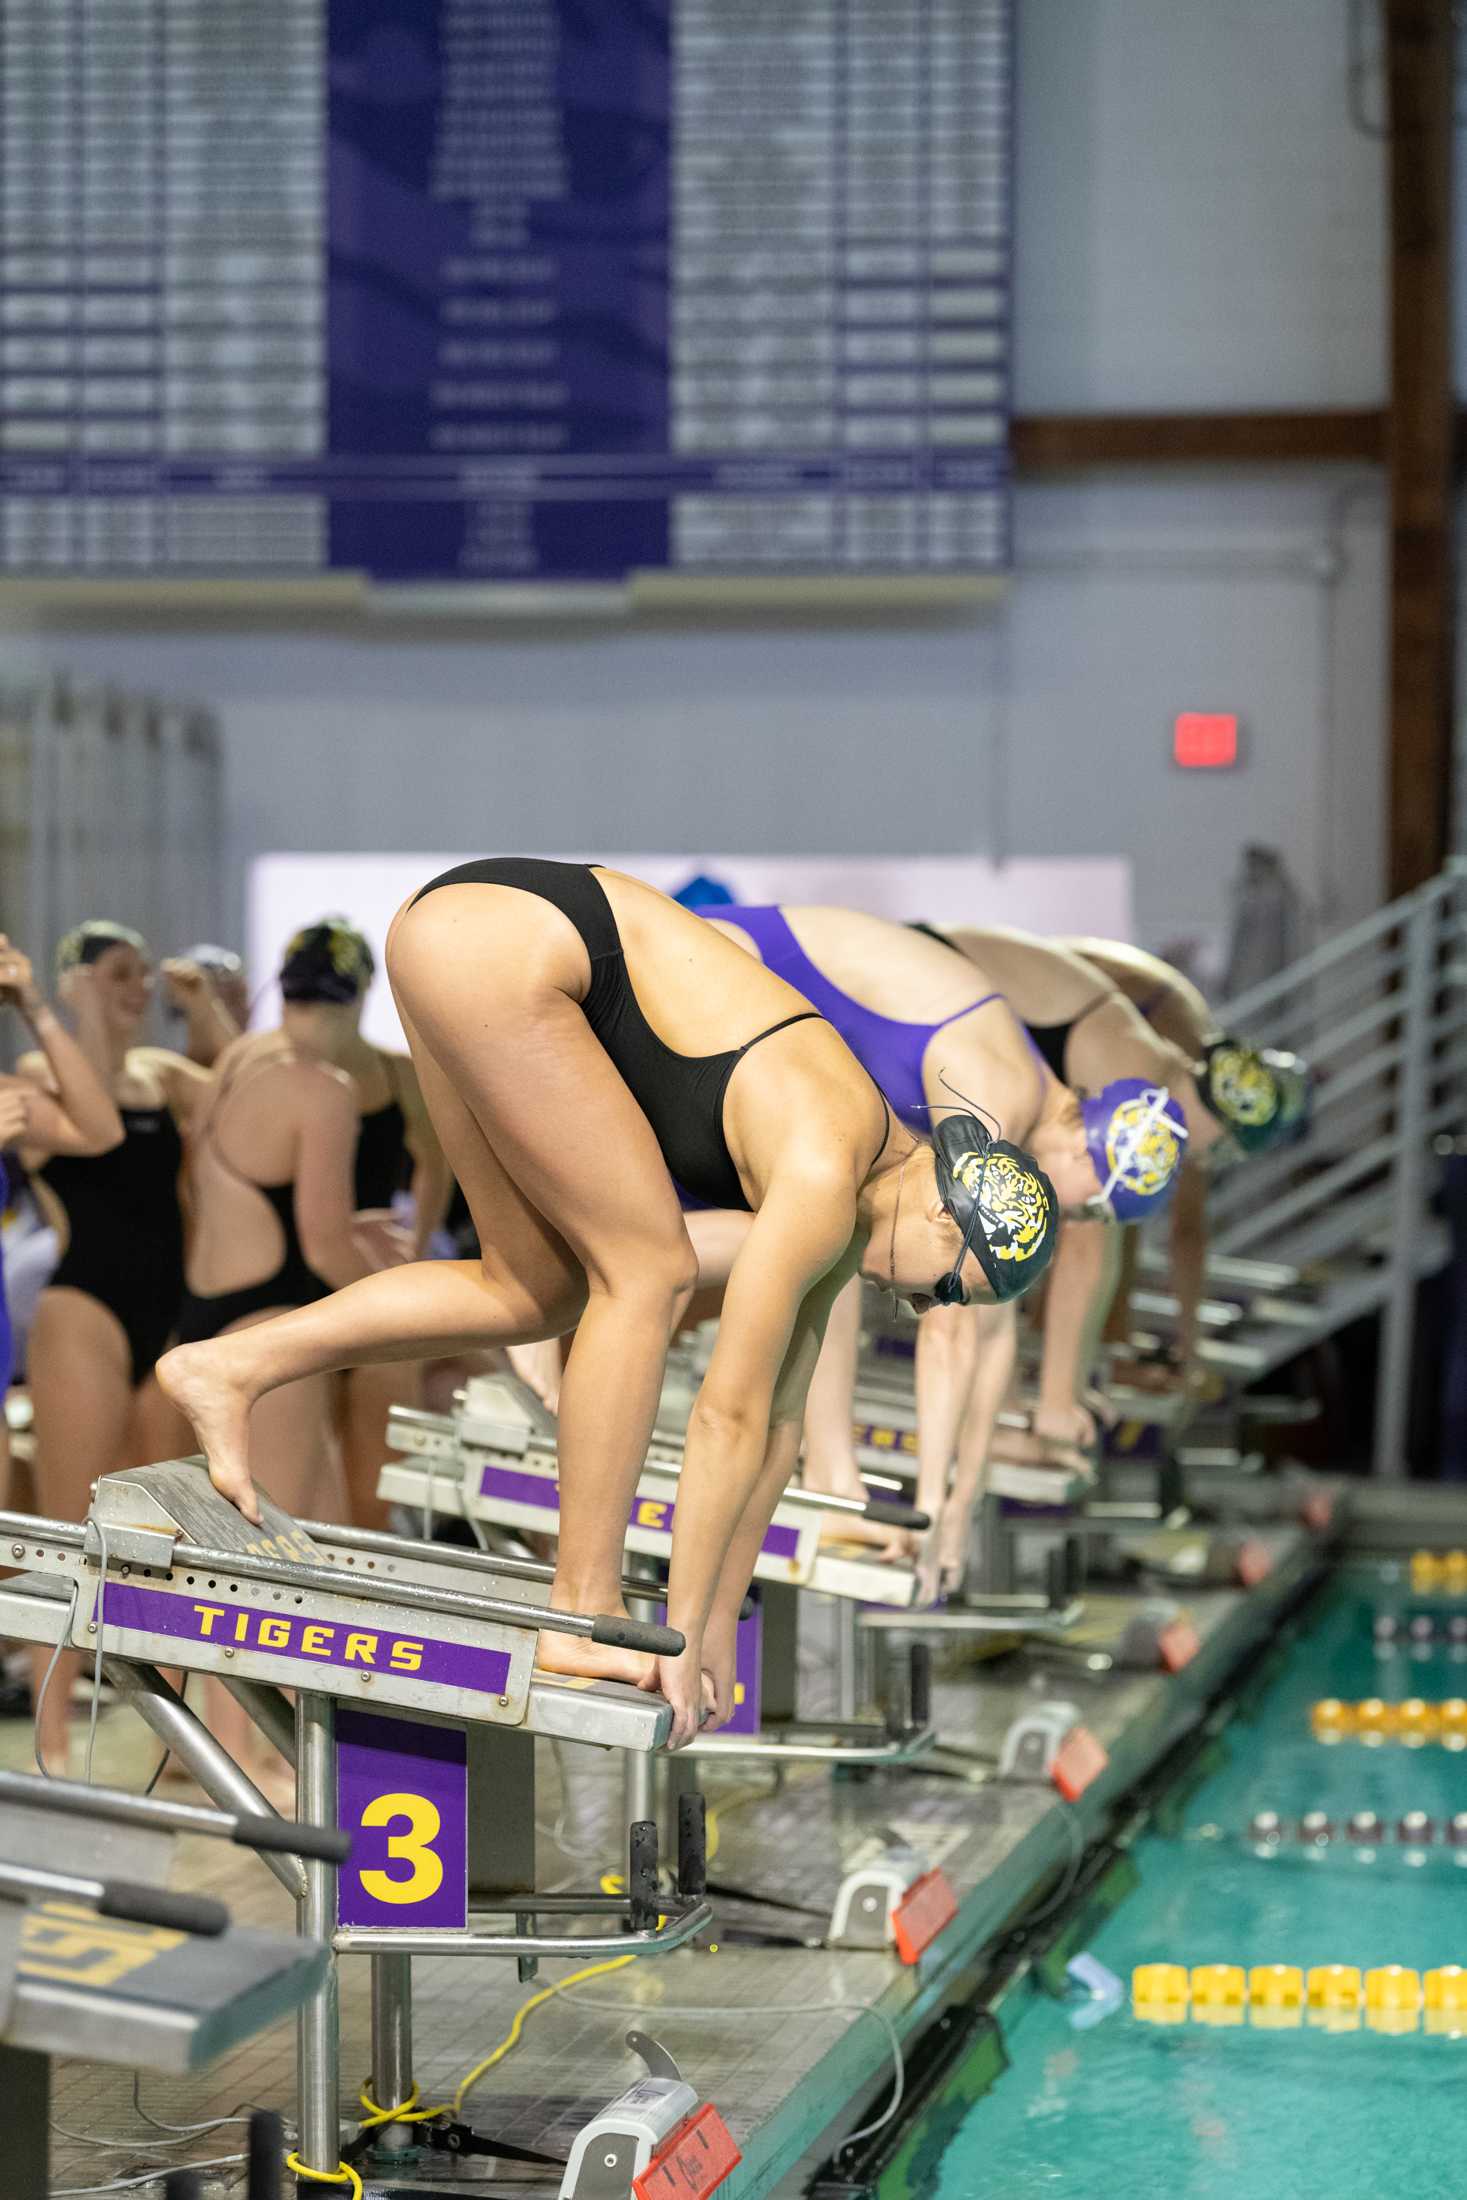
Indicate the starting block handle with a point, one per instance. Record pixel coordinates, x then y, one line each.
179 1913
323 1844
638 1634
891 1512
642 1904
692 1847
266 2155
121 1898
919 1684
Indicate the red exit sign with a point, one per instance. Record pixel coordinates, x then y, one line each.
1205 740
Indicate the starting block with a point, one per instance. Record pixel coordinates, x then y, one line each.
415 1707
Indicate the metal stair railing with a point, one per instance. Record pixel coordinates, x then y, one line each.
1381 1014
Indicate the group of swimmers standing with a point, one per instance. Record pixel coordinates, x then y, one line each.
194 1190
638 1102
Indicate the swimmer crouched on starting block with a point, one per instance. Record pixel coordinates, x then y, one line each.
928 1024
581 1041
1262 1098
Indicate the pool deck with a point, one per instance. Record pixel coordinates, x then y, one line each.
768 2033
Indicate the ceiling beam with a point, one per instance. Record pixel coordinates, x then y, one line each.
1046 442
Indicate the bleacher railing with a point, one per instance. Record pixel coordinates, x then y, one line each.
1381 1014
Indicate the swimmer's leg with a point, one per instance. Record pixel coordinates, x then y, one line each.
574 1209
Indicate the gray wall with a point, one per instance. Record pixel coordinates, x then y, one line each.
1199 225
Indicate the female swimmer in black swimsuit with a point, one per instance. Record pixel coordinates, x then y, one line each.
275 1195
581 1042
72 1113
396 1152
112 1304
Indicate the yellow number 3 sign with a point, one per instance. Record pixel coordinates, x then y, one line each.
402 1795
413 1847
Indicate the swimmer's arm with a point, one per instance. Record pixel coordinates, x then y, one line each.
993 1374
325 1193
1189 1258
947 1359
1075 1306
768 1341
209 1025
782 1442
72 1111
187 1085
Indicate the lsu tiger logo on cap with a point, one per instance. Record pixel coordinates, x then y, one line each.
1003 1204
1244 1089
1012 1203
1141 1147
1135 1133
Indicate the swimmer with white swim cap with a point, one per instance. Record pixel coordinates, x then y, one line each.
928 1024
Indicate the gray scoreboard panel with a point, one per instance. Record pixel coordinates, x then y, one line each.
433 301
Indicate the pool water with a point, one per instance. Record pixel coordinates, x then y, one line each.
1191 2113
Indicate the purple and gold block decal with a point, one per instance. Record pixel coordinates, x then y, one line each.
748 1674
303 1641
653 1514
402 1793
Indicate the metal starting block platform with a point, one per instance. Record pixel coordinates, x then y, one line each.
415 1706
494 1464
99 1960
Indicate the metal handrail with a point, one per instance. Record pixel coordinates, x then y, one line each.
1378 1010
1246 1007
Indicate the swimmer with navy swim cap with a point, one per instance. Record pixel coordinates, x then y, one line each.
329 961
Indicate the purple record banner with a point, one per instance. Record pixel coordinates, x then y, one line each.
402 1793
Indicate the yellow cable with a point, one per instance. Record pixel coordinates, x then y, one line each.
346 2175
408 2113
739 1797
511 2037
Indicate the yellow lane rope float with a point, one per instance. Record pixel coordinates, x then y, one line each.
1413 1722
1335 1997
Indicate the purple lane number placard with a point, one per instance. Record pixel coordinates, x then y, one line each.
402 1793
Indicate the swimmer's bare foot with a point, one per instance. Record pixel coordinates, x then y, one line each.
892 1545
842 1478
578 1655
196 1378
1026 1448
